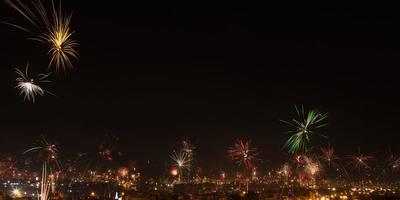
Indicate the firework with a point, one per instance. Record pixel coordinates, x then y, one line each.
123 171
45 184
51 28
359 161
243 154
28 87
222 175
311 167
298 158
7 166
254 173
48 151
108 148
188 148
174 171
107 154
304 126
328 155
180 160
394 163
17 193
285 170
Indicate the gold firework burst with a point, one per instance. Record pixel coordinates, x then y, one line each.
51 28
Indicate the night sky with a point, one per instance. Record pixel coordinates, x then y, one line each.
154 72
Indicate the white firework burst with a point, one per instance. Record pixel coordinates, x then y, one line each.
28 86
181 159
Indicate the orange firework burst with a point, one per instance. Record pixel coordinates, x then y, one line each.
174 171
123 171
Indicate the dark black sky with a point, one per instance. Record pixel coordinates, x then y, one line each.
154 72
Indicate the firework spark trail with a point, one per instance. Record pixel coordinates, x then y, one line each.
243 154
52 29
28 87
304 126
45 185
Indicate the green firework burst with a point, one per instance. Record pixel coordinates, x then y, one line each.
304 126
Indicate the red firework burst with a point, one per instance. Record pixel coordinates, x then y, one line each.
48 152
243 154
328 155
360 161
